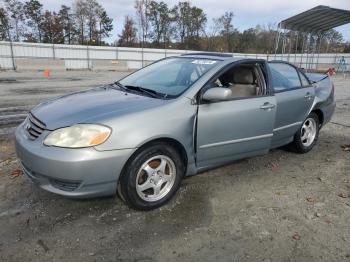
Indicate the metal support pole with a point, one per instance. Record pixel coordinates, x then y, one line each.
283 44
307 51
12 56
277 39
53 51
11 47
319 51
296 48
313 47
290 43
142 57
335 61
313 53
88 57
164 47
302 51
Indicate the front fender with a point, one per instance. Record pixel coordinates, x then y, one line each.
173 120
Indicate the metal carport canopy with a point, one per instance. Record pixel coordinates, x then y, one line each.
317 20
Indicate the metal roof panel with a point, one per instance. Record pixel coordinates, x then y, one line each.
318 19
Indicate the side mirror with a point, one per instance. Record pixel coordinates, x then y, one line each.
217 94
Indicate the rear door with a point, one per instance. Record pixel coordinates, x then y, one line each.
294 97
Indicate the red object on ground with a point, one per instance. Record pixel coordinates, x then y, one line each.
46 73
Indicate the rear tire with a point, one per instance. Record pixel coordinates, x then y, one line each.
307 136
152 176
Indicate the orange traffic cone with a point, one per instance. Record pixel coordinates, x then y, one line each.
46 73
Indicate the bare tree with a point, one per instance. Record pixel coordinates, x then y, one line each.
14 9
142 15
80 9
212 33
227 28
128 35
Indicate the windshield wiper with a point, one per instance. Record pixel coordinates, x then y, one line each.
143 90
120 85
147 91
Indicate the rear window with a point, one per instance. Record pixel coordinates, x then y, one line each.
284 77
304 81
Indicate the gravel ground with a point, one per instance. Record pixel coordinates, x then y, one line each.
278 207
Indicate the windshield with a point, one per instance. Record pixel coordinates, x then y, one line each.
171 76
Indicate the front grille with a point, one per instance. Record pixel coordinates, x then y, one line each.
34 127
64 185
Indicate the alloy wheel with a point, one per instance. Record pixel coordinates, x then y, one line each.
155 178
308 132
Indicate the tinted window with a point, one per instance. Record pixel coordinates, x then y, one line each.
284 76
304 80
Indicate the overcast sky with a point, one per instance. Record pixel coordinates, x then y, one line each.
248 13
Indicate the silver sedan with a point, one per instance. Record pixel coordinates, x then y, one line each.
177 117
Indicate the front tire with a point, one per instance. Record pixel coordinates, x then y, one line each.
307 136
152 176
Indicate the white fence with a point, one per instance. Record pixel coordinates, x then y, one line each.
33 56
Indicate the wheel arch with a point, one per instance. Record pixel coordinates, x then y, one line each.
319 114
170 141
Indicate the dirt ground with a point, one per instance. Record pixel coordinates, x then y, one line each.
278 207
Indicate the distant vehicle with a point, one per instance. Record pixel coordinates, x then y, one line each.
179 116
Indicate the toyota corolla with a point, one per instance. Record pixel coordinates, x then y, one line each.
174 118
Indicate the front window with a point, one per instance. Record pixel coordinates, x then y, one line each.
171 76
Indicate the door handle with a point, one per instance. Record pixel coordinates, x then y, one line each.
308 96
267 106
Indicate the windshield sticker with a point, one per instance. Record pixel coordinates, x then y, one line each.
204 62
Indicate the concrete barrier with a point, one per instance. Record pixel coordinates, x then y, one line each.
35 64
110 65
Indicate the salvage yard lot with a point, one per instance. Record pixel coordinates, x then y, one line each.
277 207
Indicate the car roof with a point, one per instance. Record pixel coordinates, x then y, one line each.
216 56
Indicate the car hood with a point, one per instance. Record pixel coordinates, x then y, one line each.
91 106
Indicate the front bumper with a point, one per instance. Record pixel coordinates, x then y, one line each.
82 172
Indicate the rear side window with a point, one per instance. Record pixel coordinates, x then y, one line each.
304 81
284 77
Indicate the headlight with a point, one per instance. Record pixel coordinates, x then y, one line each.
77 136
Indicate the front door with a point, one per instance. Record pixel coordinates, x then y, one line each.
230 130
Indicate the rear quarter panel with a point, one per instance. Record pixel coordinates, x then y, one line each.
324 96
